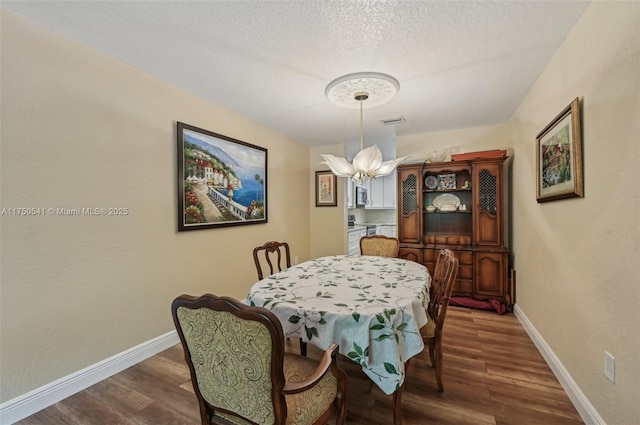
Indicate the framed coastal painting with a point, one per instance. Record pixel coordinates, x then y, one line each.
559 156
221 181
326 195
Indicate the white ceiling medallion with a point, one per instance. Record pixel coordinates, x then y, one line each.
350 91
380 87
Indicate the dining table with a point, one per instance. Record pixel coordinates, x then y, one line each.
372 307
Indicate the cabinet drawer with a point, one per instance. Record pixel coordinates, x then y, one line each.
441 240
465 272
463 286
447 239
465 257
431 267
429 255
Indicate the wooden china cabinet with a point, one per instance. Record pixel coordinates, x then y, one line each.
457 205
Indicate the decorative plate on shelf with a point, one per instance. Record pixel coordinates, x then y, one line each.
447 181
431 182
446 202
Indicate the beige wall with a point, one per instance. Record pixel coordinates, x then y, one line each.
577 259
578 274
82 130
328 224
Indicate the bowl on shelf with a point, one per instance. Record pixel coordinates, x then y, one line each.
448 201
431 208
448 207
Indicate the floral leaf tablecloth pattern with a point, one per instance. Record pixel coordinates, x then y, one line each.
372 307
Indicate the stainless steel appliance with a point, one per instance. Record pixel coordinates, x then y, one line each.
371 229
351 220
361 197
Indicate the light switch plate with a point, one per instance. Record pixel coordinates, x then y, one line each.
610 367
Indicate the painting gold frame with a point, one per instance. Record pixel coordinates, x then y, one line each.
559 173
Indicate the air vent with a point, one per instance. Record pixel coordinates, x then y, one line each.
394 121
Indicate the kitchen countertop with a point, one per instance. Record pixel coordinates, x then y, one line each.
356 227
360 226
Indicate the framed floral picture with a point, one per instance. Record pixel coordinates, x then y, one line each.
326 195
221 181
559 156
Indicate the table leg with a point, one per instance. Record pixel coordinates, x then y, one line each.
397 399
397 406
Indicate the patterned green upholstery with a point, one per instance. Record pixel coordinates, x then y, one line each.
232 362
307 406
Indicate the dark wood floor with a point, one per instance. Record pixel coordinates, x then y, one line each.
493 374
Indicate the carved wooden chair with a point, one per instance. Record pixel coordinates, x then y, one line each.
241 373
379 245
278 251
444 275
267 252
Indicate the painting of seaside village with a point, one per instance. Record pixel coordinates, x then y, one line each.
222 181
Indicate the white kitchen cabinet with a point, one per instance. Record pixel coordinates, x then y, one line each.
387 230
375 193
351 200
354 239
389 191
382 192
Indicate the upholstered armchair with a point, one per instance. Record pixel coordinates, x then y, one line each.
241 373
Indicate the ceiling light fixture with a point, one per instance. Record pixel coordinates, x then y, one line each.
350 91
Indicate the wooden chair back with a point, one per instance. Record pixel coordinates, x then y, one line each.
379 245
278 251
444 276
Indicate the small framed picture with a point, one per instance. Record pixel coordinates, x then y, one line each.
446 181
326 195
559 157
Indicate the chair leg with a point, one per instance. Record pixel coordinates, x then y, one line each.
438 355
432 356
341 397
303 348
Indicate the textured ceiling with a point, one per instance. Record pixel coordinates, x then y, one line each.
459 64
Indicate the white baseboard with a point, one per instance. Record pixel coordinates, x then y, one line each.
585 409
40 398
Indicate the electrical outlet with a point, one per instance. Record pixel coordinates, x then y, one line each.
610 367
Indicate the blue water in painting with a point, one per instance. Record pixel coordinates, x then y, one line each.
251 191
